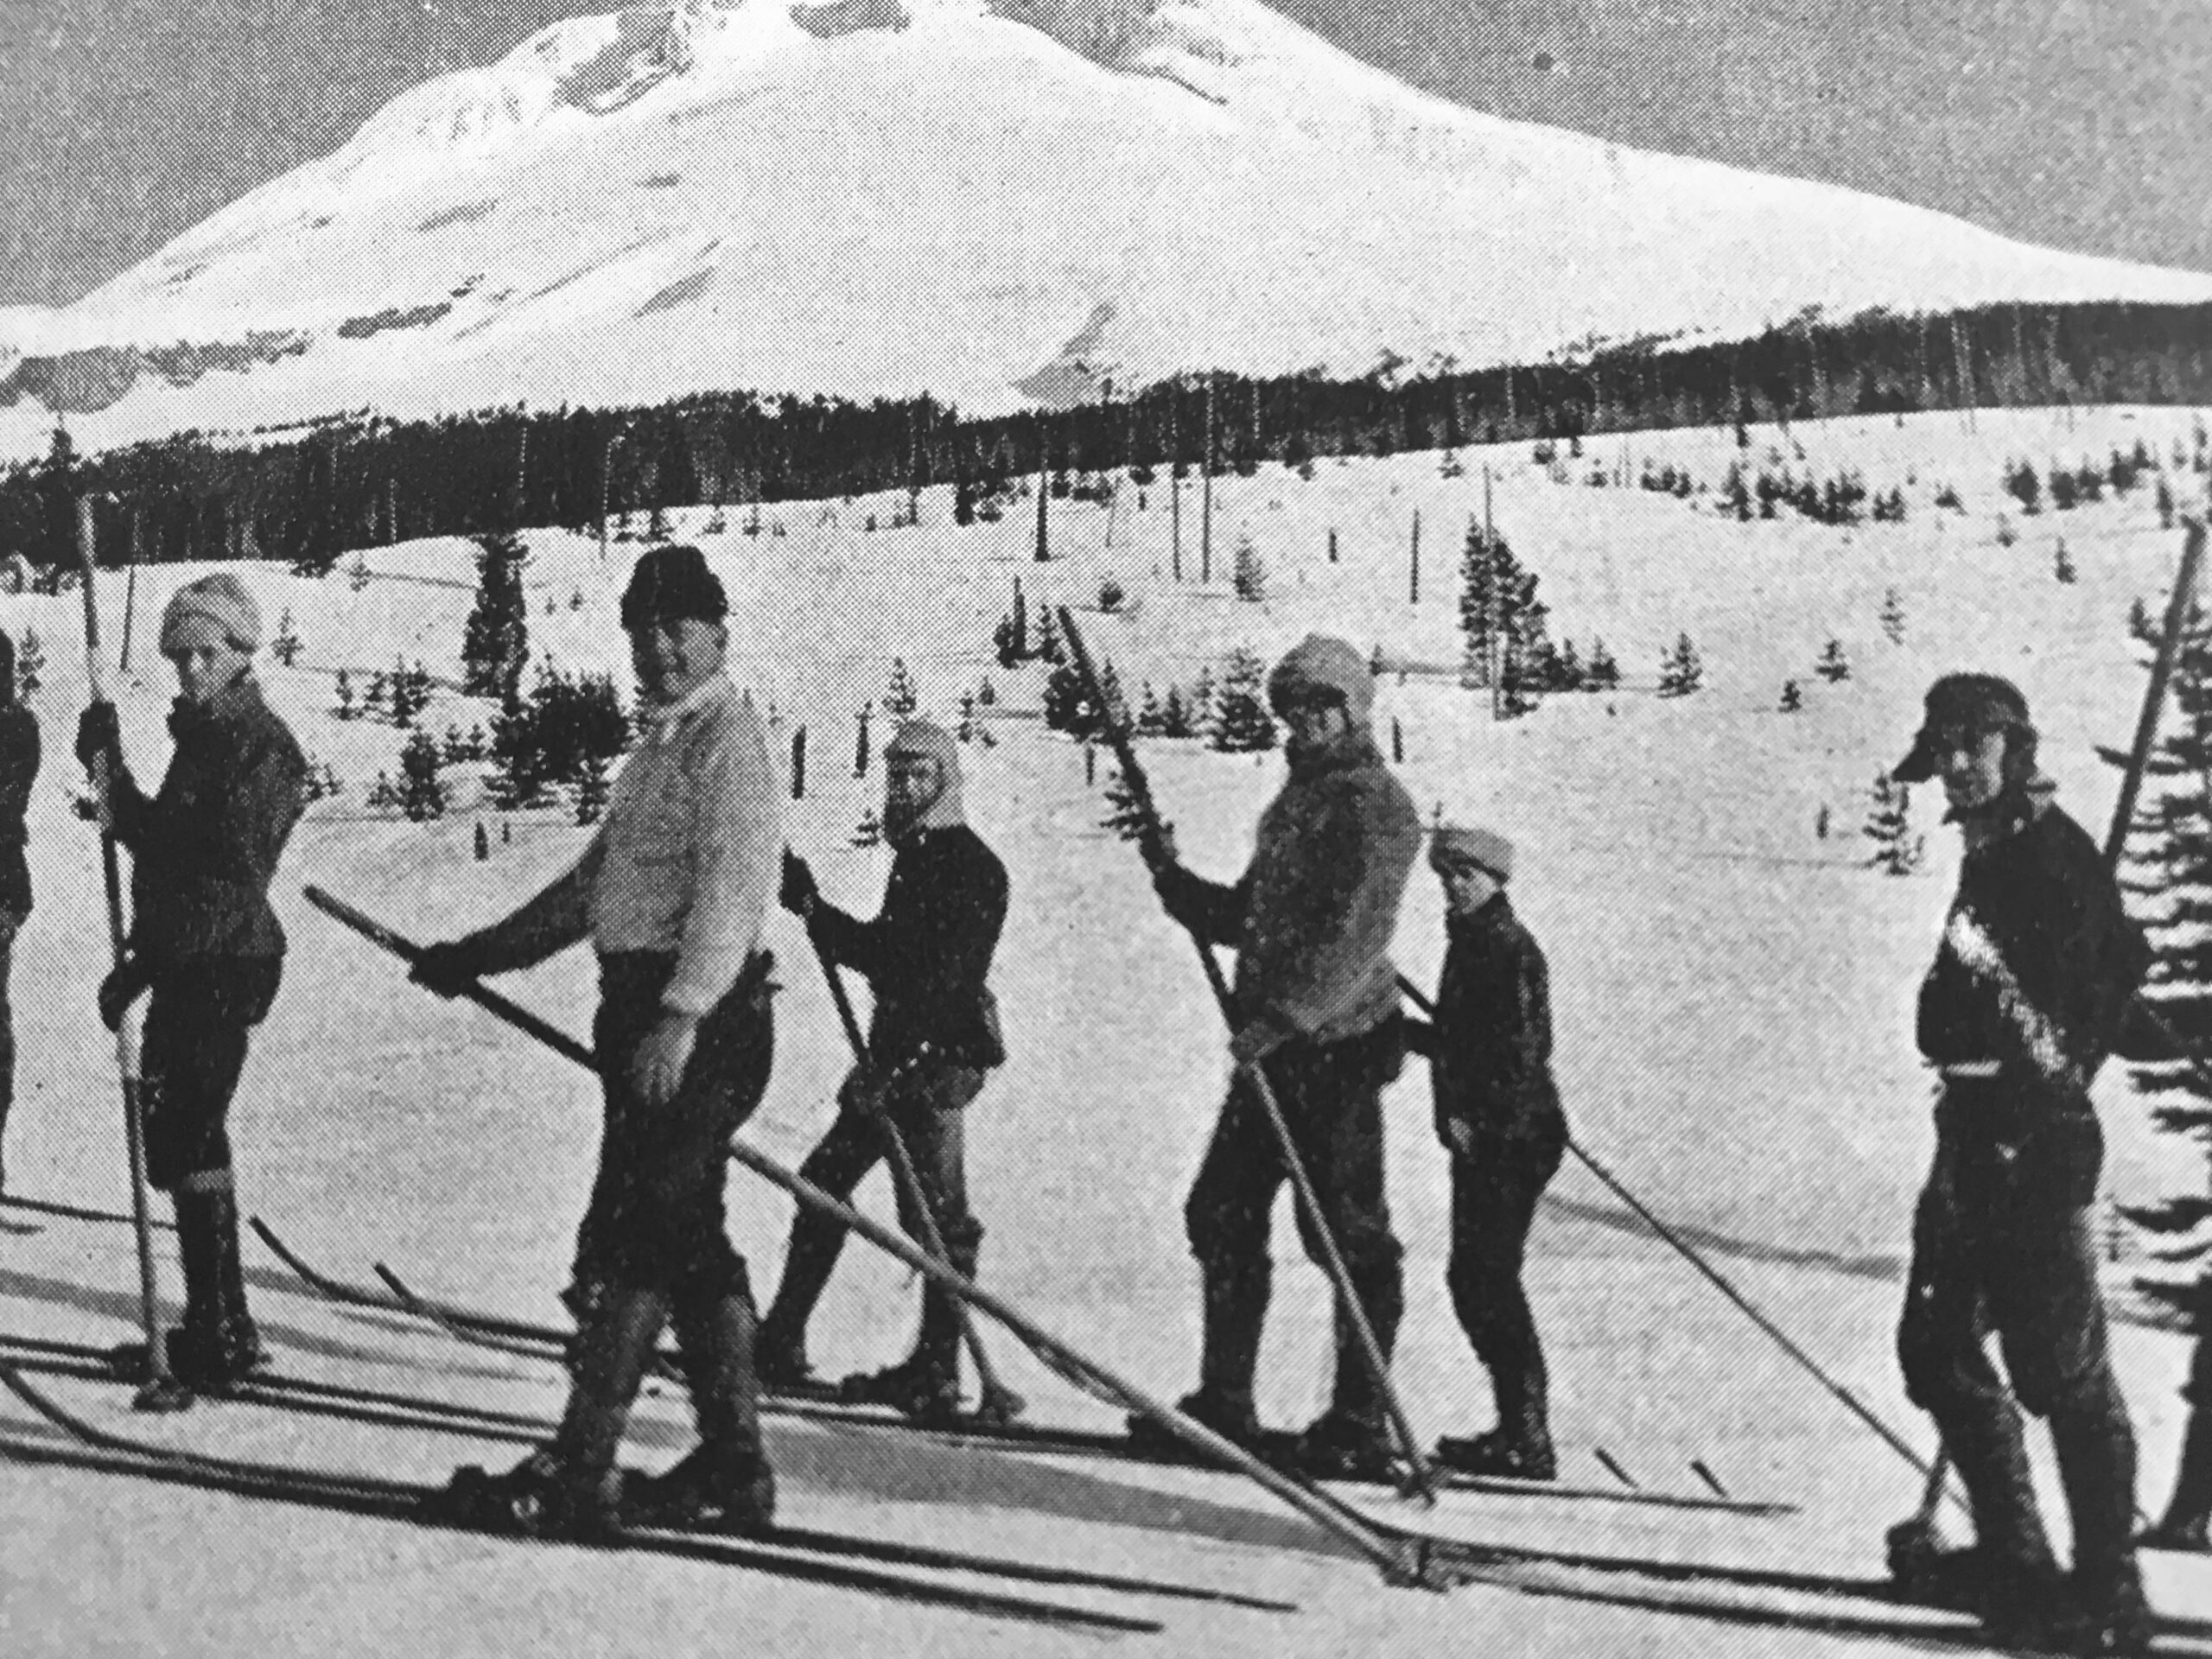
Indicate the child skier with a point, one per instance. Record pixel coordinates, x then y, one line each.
204 940
1497 1115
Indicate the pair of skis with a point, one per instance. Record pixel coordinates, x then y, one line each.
1403 1557
1734 1598
544 1343
800 1554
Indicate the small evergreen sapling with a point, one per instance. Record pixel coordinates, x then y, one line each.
30 665
1680 672
1897 851
1792 698
285 647
1893 616
421 796
1241 723
1833 666
900 699
2062 565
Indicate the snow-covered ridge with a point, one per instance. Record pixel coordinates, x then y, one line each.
993 200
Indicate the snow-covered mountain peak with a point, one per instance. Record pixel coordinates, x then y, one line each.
997 202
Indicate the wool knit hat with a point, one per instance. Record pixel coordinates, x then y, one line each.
1455 844
672 582
220 601
1964 706
1322 662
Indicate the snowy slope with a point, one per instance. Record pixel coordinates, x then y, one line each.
1733 999
996 204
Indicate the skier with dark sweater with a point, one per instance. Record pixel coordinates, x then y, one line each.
2033 975
1316 1003
934 1037
19 759
671 892
1498 1117
204 941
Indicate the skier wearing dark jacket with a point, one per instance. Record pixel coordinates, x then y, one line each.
1316 1002
2035 970
1497 1115
204 940
927 956
19 759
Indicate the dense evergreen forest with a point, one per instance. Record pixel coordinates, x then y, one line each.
304 494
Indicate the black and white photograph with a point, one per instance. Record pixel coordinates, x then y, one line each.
1007 828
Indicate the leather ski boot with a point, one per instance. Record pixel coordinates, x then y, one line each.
918 1385
781 1357
217 1347
1236 1312
925 1385
570 1488
1498 1455
2112 1616
1352 1440
1519 1447
1342 1444
725 1484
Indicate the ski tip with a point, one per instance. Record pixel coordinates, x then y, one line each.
1698 1468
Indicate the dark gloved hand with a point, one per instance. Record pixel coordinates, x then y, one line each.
799 893
99 732
124 985
448 968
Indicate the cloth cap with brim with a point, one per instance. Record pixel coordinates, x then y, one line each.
1961 708
1321 665
219 606
671 584
1455 845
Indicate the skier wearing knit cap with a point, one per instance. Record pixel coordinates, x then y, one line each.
203 940
935 1034
671 892
2032 977
1316 1003
1497 1114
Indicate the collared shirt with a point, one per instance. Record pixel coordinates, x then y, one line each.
686 858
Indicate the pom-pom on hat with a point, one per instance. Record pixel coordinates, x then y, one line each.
218 603
669 583
1459 844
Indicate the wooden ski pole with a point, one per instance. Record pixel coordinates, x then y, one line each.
998 1403
1423 1481
1403 1558
161 1391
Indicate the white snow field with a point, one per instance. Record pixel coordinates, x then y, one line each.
1733 993
999 204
